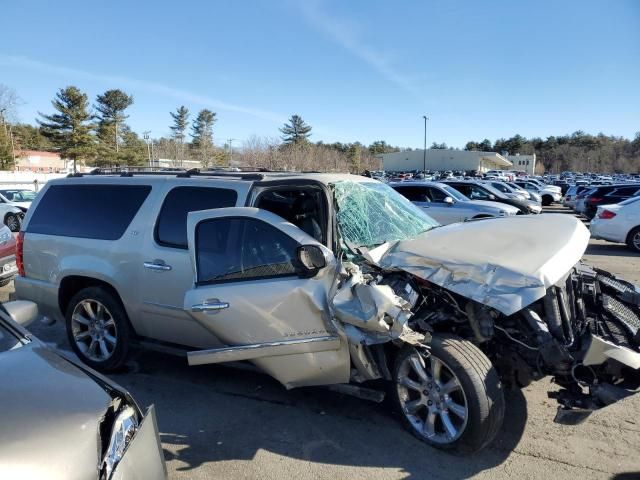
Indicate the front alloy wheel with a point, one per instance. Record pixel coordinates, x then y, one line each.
94 330
432 398
449 397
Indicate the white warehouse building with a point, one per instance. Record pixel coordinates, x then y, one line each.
440 160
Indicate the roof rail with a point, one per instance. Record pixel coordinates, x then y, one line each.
178 172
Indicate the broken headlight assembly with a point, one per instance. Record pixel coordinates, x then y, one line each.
117 430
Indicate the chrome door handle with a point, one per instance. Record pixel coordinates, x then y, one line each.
210 307
156 265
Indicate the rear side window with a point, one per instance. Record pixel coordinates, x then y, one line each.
171 228
88 211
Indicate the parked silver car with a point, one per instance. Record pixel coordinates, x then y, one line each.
62 421
331 279
446 205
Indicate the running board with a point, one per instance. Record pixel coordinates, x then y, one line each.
260 350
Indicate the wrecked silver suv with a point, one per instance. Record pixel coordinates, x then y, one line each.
322 279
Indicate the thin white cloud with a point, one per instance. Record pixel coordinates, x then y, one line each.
157 88
344 33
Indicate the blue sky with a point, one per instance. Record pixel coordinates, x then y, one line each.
355 70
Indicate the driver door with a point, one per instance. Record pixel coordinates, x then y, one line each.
252 291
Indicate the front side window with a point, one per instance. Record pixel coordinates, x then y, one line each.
171 227
437 195
414 194
8 341
236 249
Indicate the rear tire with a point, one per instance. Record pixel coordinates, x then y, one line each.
98 328
12 221
633 239
467 401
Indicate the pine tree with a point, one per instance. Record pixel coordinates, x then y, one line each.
70 129
295 131
134 149
111 106
179 127
202 135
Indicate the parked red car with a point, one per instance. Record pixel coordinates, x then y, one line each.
8 268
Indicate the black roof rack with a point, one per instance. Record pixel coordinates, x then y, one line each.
178 172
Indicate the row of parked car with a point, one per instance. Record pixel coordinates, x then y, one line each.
614 211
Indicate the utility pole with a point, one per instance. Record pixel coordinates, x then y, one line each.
230 142
424 152
145 135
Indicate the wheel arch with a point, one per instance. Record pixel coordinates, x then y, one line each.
72 284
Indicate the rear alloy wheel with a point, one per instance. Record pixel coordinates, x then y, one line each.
98 329
12 221
633 239
451 399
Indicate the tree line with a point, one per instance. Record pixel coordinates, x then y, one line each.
98 135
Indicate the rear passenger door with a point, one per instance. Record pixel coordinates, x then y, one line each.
165 268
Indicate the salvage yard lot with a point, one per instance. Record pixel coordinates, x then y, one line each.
219 422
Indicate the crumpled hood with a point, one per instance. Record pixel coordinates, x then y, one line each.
505 263
50 416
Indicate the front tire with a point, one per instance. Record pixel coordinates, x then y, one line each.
547 200
633 239
98 329
451 399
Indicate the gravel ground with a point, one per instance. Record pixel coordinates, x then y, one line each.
219 422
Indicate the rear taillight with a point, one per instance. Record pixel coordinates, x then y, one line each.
595 199
606 214
19 253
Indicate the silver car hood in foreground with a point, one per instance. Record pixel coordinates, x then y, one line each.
505 263
50 416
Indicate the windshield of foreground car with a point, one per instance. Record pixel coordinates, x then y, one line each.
372 213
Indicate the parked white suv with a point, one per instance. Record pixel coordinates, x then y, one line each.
333 279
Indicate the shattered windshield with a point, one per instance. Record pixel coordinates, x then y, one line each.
372 213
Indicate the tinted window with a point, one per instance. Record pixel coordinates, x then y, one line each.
171 228
625 191
8 340
415 194
229 249
437 195
88 211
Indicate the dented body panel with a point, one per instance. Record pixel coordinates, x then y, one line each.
501 263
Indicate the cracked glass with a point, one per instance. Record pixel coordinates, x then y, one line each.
372 213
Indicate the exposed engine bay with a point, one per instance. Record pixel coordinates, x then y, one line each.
585 332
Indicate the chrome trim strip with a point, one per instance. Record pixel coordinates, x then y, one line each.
259 350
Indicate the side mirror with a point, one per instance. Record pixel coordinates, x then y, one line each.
448 201
22 312
311 260
492 197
